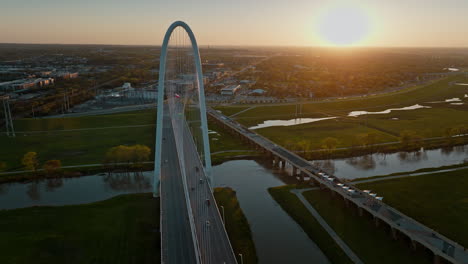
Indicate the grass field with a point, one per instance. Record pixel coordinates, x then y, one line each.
236 225
294 207
438 200
344 131
427 122
89 146
360 234
123 229
230 110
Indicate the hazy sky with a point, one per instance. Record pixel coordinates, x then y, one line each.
233 22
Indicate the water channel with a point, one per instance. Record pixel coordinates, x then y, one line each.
382 164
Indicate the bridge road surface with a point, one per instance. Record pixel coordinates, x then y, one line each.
213 240
176 236
437 243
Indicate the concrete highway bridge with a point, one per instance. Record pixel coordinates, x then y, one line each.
192 230
401 226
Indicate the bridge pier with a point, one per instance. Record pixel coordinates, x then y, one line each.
276 161
283 164
301 176
360 211
394 233
437 259
294 171
414 245
376 221
157 183
346 201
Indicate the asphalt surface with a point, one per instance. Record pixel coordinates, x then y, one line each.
213 240
192 226
176 235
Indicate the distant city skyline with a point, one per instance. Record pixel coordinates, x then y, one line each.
400 23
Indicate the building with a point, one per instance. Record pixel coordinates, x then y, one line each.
25 84
230 90
257 92
66 75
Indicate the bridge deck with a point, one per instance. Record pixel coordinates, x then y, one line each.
212 238
211 241
176 236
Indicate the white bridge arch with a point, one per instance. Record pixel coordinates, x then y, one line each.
160 103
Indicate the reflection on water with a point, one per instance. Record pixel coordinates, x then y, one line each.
413 107
381 164
73 190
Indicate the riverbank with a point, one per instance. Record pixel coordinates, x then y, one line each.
424 171
236 225
124 229
293 206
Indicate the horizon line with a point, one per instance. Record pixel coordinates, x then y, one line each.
231 45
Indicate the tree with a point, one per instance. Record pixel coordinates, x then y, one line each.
366 139
30 161
3 166
409 138
304 145
52 166
329 143
139 154
132 155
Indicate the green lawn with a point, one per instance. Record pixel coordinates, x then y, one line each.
438 200
230 110
123 229
296 209
90 146
344 131
426 122
236 225
360 234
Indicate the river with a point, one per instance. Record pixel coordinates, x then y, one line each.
382 164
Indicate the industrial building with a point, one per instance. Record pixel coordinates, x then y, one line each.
230 90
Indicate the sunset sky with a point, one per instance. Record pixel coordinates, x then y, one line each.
434 23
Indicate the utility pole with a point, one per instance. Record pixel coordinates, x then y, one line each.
10 131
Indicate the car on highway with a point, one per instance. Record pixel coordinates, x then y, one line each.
201 181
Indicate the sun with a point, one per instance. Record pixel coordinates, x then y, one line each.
343 26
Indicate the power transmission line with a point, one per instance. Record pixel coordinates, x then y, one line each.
10 130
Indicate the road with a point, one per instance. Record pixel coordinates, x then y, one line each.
177 242
114 110
212 239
